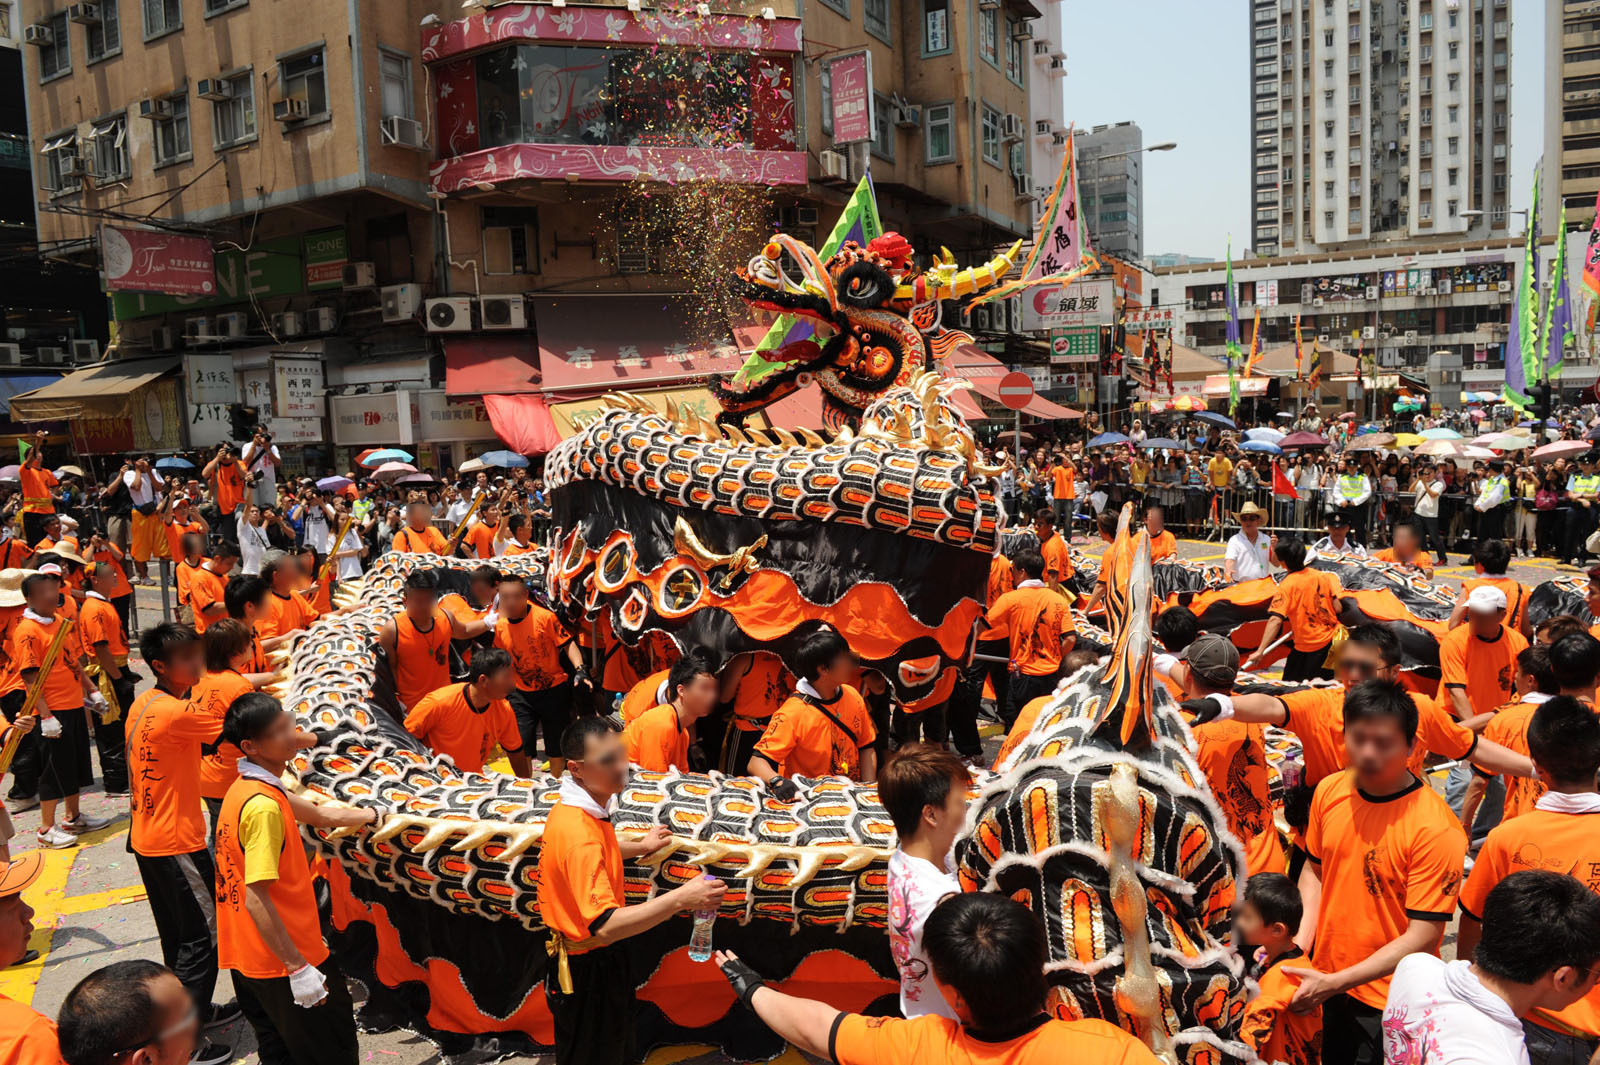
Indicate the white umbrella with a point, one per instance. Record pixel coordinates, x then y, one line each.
1271 436
471 466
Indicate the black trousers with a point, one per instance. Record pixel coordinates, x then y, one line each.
594 1024
33 526
110 740
1492 523
1579 525
1352 1032
1432 539
25 766
925 725
1307 665
738 748
1546 1046
548 711
182 893
287 1034
1024 689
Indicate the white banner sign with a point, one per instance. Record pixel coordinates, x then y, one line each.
209 388
1082 303
380 418
1140 319
442 419
297 387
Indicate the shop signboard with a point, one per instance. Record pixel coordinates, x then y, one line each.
154 261
373 420
441 418
297 387
268 269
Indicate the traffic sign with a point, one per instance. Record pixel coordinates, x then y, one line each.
1016 390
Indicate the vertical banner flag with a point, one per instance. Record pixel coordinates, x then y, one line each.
1061 250
1299 352
1591 257
859 222
1522 344
1167 366
1558 312
1316 370
1255 346
1233 352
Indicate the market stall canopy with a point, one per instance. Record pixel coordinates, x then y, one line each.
984 371
599 344
102 390
1217 385
16 386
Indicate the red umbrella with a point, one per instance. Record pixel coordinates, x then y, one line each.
1302 440
361 459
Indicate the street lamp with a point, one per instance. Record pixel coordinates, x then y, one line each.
1477 213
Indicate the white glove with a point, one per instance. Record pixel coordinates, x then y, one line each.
308 985
50 728
491 619
97 702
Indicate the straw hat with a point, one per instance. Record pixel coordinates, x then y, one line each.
11 586
1250 510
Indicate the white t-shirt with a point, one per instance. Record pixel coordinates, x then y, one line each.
1440 1013
1249 559
140 490
915 888
348 568
253 544
267 487
1427 505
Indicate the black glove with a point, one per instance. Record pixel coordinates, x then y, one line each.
744 979
783 789
1203 710
581 679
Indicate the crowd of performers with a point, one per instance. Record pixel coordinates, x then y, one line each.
1356 864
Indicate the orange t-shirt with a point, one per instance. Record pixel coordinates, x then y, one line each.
205 590
801 741
1276 1034
1063 479
763 688
1034 620
114 560
514 549
1163 545
1560 843
643 696
176 531
580 872
449 724
460 609
656 741
1422 561
429 541
1488 671
285 613
1383 863
230 487
929 1039
63 685
10 677
98 622
36 485
535 643
1233 756
1308 601
13 553
1509 728
1516 597
1057 559
481 539
1002 578
183 576
422 659
1022 726
212 696
27 1037
165 734
1316 717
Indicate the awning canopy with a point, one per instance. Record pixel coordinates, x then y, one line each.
985 372
597 344
15 386
104 389
481 365
1217 385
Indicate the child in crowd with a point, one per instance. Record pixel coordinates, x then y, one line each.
1268 919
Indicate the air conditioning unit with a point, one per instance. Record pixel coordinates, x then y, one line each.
448 314
1502 286
981 317
196 328
835 167
1022 186
39 34
1430 291
1369 332
1444 287
286 324
401 302
1041 127
1411 336
214 89
503 312
360 275
293 109
10 354
1023 32
50 356
161 338
805 216
1059 137
1372 292
1041 48
1012 126
232 325
88 14
155 110
1317 302
401 131
321 320
908 116
1384 334
85 351
988 5
1058 66
75 167
1322 338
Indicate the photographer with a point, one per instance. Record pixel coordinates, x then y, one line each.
116 508
228 479
312 515
148 534
261 462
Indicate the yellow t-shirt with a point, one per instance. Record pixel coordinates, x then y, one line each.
1221 470
261 834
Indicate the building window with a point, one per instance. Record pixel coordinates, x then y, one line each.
162 16
104 37
1327 219
108 143
987 32
1453 144
172 132
1424 21
1327 189
1013 52
1452 113
841 6
5 20
882 127
1355 218
1450 206
1425 209
511 240
303 78
1452 80
825 83
875 13
1455 49
233 120
940 136
1450 176
1327 158
396 71
991 135
55 58
217 7
935 27
61 169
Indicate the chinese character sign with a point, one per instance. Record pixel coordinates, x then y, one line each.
297 388
147 260
852 98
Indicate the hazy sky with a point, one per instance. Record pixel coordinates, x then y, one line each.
1181 69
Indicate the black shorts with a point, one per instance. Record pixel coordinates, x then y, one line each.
62 760
548 711
1352 1032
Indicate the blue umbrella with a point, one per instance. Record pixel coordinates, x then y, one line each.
1439 434
387 454
1261 445
503 459
1107 439
1158 442
173 462
1215 419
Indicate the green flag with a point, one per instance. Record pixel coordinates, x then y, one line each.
1558 311
1234 352
1522 348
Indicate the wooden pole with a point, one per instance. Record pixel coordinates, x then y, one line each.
333 551
35 691
466 519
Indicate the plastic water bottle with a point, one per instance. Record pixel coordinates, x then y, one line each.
700 938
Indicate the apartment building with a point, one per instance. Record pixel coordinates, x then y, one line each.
1111 188
1571 110
1378 120
1047 100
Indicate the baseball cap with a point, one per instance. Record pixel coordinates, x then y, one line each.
1486 600
1214 659
21 871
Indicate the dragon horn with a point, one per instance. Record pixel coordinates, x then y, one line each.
1128 716
978 278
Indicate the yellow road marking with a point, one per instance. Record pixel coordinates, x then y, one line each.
673 1055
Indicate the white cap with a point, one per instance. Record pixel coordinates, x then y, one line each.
1486 600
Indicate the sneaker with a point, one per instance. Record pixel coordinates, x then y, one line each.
209 1053
226 1013
86 823
25 803
56 838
